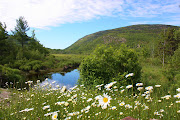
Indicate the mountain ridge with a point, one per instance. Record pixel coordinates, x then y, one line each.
132 35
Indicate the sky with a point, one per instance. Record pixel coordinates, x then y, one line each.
60 23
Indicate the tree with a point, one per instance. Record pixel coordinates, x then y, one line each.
20 31
168 43
7 49
108 64
3 32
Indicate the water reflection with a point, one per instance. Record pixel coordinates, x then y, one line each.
68 79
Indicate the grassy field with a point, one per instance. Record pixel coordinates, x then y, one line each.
155 97
105 102
68 59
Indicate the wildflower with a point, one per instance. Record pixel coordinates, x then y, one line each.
130 74
137 103
90 99
147 92
97 97
32 95
149 88
121 113
161 110
122 90
140 88
122 103
54 116
135 107
156 113
128 106
66 103
104 100
108 86
113 107
68 118
60 103
157 85
63 89
99 85
146 107
115 87
104 107
139 84
177 96
28 99
177 101
38 81
27 110
178 111
86 108
45 107
178 89
129 86
166 97
69 100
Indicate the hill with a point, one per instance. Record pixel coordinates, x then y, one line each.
134 36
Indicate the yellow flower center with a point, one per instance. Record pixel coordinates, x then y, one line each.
55 116
105 99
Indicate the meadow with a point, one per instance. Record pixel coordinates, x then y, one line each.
68 59
102 102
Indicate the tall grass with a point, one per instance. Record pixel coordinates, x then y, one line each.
41 103
68 59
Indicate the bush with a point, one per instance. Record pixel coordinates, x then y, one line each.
10 75
108 64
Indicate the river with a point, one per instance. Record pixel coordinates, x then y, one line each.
68 79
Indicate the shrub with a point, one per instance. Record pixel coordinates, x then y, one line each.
108 64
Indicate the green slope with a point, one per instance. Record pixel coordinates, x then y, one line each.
134 36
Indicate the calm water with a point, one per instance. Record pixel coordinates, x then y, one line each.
68 79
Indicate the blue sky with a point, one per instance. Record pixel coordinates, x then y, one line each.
60 23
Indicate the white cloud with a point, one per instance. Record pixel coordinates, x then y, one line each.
46 13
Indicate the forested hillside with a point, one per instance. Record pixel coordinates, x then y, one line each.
134 36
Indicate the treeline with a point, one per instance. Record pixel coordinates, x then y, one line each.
21 54
164 52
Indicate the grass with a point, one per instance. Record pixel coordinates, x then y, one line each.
80 103
68 59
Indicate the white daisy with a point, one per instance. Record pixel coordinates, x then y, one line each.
104 100
129 86
122 103
149 88
54 116
178 89
139 84
130 74
45 107
157 85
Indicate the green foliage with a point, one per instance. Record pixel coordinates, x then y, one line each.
20 31
3 32
108 64
10 75
173 69
168 43
7 50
